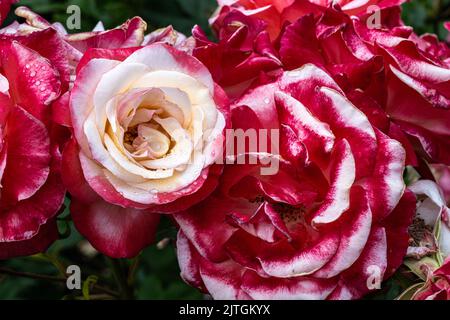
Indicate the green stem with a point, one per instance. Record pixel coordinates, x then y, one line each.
133 269
121 277
36 276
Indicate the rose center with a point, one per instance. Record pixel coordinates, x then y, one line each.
147 139
290 214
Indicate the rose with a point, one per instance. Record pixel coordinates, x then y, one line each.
243 52
418 90
436 286
401 81
430 232
331 224
277 13
148 126
31 188
433 47
429 244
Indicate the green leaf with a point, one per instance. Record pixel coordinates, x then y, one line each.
87 286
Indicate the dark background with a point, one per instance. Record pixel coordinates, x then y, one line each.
154 274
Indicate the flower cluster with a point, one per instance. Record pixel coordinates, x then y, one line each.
349 103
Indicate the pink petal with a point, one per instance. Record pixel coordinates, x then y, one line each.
61 111
73 175
342 171
297 288
34 82
396 226
82 95
223 280
353 238
386 186
300 262
299 44
130 34
189 261
28 156
48 233
207 232
316 135
23 220
115 231
119 54
353 283
49 44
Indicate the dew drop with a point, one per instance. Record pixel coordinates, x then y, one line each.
42 89
27 66
32 74
37 83
266 101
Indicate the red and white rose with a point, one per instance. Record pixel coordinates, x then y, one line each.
148 126
32 192
318 228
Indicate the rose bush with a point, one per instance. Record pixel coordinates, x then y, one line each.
32 192
148 126
319 227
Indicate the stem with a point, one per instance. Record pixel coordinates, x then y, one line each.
133 269
36 276
31 275
121 276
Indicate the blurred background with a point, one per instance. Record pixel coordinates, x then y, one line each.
154 274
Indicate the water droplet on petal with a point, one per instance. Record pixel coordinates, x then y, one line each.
27 66
37 83
266 101
32 74
42 89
